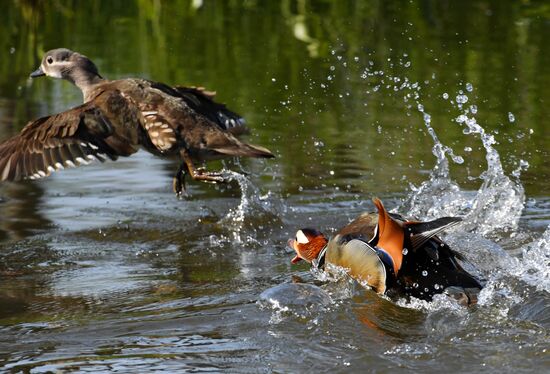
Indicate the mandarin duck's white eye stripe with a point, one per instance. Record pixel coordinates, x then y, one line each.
301 237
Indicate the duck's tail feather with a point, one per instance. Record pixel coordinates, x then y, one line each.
246 150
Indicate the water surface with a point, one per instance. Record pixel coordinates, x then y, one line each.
437 107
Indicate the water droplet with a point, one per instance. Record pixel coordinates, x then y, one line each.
467 149
436 286
461 99
407 64
420 107
427 118
511 117
415 285
12 50
461 118
457 159
425 273
332 68
356 59
405 251
469 87
473 109
273 80
445 95
426 289
331 172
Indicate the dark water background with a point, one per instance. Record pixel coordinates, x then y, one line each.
102 268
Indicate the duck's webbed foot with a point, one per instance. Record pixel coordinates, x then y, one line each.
200 174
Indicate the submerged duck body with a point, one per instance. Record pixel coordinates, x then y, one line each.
118 118
392 255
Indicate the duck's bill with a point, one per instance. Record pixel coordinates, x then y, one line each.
291 244
37 73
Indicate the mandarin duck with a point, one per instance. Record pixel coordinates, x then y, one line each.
392 255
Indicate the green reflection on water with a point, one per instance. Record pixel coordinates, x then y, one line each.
269 60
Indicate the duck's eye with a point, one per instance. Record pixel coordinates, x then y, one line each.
49 60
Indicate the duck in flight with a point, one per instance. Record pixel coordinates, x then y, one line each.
118 118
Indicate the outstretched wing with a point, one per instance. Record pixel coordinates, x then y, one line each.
51 143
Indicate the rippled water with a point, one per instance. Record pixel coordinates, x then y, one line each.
103 269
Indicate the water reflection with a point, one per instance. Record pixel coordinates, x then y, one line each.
20 214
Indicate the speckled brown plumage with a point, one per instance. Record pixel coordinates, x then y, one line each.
119 117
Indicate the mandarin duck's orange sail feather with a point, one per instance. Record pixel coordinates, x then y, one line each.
391 235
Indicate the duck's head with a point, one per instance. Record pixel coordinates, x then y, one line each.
66 64
307 244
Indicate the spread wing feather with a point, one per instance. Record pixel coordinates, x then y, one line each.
51 143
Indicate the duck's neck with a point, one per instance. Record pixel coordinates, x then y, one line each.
85 80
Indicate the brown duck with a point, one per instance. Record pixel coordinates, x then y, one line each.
119 117
392 255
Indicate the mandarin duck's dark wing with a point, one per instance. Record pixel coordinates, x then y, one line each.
67 139
363 227
420 232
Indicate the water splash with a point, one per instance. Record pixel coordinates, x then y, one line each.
249 197
498 203
535 263
294 299
500 200
440 190
262 208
